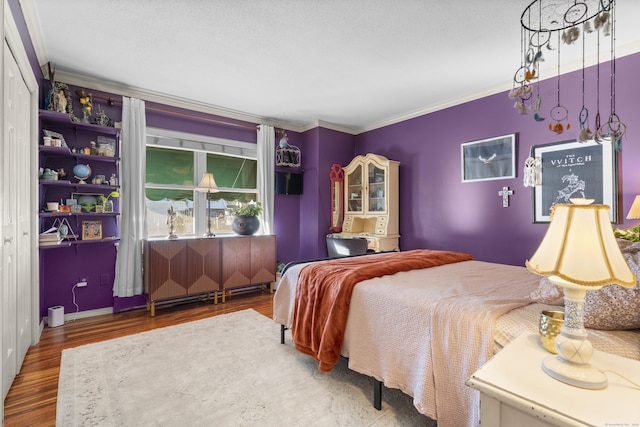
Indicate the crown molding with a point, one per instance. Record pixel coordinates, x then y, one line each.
165 99
328 125
432 109
621 51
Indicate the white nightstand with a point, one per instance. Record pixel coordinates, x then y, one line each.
515 391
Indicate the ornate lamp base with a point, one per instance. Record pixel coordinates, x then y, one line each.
571 365
584 376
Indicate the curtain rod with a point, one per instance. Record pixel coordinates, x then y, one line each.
111 101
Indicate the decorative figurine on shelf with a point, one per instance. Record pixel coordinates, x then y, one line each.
59 98
86 104
102 119
171 219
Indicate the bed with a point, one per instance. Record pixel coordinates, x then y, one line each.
425 331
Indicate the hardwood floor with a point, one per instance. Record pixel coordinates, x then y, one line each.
32 398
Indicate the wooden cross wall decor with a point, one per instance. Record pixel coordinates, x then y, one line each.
505 193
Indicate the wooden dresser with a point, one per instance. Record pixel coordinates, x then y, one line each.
208 266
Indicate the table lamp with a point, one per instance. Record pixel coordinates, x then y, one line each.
634 212
208 185
579 252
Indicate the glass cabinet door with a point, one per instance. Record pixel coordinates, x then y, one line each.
354 189
376 192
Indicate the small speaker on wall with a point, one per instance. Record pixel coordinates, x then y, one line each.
289 183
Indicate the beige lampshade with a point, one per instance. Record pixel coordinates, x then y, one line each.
207 184
580 247
634 212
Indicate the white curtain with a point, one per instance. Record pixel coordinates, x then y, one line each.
266 177
133 227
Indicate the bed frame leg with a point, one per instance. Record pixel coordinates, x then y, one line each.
377 394
282 329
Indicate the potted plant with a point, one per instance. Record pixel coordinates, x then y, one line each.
106 202
246 221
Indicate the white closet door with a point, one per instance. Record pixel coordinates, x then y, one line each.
24 283
16 213
9 223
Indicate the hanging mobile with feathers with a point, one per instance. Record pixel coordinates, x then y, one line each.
614 129
559 113
585 133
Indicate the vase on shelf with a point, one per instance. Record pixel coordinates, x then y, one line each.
108 206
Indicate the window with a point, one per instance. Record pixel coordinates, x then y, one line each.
176 162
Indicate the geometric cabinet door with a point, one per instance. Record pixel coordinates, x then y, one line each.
165 269
203 258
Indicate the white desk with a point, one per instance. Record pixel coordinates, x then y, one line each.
515 391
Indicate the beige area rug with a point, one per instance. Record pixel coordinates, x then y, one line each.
228 370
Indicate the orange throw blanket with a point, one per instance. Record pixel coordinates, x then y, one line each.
323 295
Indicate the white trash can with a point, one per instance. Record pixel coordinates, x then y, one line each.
56 316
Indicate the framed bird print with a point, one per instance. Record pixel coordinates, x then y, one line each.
487 159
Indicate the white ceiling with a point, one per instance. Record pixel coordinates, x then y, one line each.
353 65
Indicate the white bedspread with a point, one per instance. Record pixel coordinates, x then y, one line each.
393 321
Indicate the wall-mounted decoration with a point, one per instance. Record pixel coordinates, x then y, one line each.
576 170
488 159
505 193
92 230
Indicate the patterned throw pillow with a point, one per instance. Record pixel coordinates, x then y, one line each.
609 308
612 308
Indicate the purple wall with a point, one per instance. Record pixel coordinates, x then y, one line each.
438 211
321 149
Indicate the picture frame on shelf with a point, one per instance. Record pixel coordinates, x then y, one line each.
489 159
92 230
572 169
86 201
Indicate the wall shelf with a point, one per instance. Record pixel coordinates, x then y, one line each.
66 152
76 185
64 119
65 261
